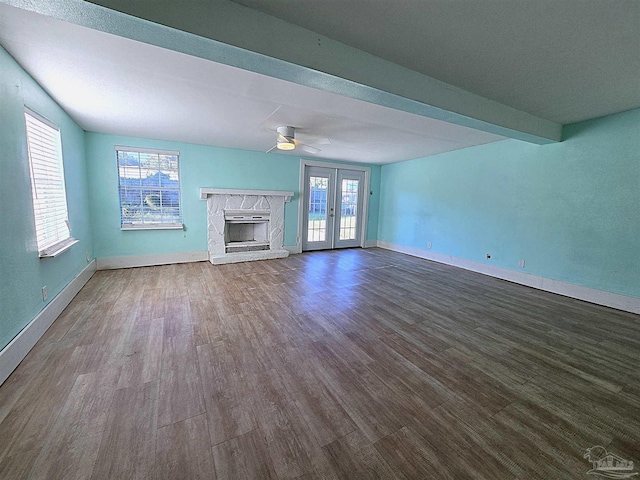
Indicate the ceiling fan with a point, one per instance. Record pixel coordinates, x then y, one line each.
286 141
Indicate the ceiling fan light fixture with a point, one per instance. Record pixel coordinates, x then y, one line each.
285 145
285 138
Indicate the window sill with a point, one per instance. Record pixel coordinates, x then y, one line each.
165 226
58 248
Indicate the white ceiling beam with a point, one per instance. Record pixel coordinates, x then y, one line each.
228 33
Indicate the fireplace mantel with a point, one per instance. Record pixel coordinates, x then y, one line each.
206 192
223 201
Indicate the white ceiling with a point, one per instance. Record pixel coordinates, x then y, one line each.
114 85
563 61
559 61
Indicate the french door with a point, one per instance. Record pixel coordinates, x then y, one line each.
332 208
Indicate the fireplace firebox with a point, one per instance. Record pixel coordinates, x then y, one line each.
246 230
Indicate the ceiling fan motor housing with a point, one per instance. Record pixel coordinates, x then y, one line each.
286 131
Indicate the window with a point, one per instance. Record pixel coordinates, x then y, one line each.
149 188
46 169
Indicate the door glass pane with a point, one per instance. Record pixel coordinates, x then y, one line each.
318 187
349 206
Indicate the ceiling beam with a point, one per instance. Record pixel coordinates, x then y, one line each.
229 33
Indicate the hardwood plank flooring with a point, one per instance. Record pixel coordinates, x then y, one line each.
183 450
352 364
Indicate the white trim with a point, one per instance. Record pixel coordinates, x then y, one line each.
121 148
44 120
293 249
301 195
345 166
370 243
127 227
151 260
19 347
592 295
58 248
205 192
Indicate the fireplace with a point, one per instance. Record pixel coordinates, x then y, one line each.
245 225
246 230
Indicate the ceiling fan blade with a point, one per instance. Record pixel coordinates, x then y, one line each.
272 149
308 149
314 139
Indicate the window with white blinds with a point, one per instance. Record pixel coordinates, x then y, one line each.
47 186
149 188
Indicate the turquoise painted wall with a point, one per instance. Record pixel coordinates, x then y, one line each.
571 209
200 166
374 202
22 272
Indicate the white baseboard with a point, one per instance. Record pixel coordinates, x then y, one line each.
293 249
17 349
599 297
151 260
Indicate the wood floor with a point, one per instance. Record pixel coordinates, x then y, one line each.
345 364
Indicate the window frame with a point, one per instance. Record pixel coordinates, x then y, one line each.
150 225
43 210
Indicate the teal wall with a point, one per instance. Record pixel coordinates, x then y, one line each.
200 166
374 202
571 209
22 272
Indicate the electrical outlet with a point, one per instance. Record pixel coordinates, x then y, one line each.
488 256
428 244
521 263
44 293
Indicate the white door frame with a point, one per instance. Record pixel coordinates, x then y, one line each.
330 211
302 192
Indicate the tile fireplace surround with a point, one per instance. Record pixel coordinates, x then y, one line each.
220 200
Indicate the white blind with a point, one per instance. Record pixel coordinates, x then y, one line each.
47 182
149 187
